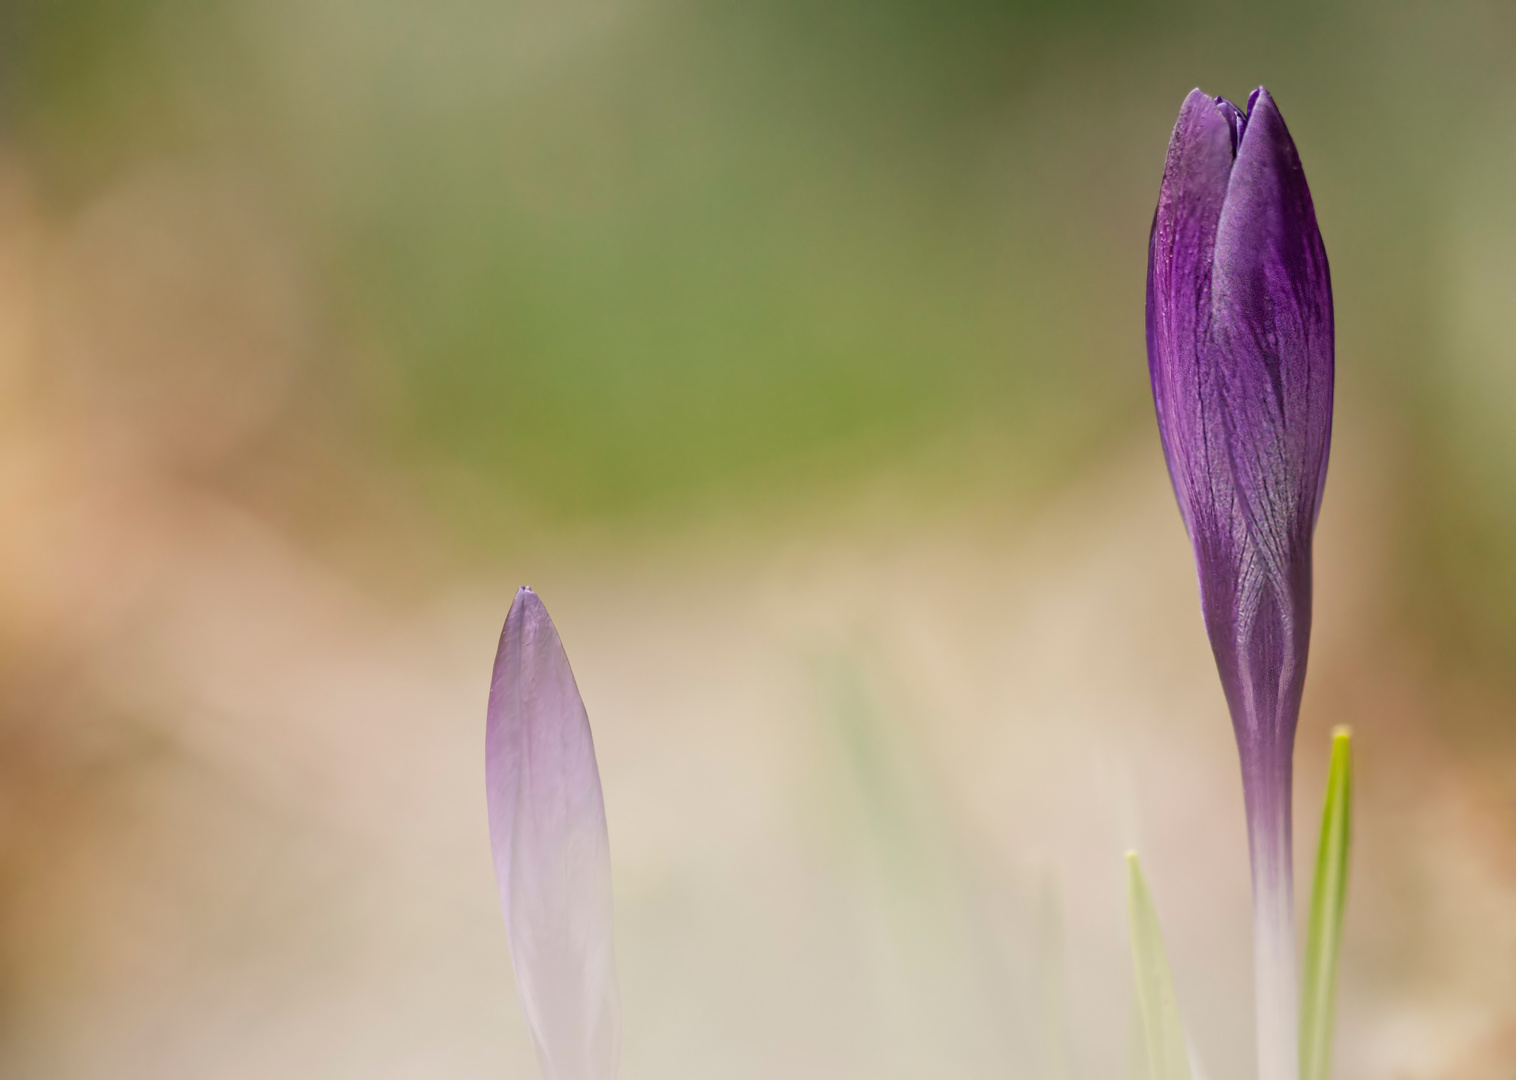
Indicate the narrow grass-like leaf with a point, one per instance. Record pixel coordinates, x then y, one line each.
1167 1055
1050 971
1136 1047
1324 935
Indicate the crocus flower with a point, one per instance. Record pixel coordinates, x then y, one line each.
1239 333
552 854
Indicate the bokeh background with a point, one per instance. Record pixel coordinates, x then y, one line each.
793 352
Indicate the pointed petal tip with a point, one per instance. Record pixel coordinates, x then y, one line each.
527 600
1202 123
1196 99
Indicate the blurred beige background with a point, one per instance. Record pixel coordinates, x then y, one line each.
793 353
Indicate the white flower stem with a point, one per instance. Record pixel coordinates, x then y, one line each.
1276 991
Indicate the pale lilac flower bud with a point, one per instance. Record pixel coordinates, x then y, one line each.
552 853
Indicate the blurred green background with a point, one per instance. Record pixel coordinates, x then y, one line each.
438 292
592 262
600 261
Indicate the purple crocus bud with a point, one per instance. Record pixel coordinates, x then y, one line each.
552 854
1239 331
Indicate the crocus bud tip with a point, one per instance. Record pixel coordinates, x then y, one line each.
551 849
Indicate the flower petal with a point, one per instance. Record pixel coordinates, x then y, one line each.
551 850
1195 178
1272 304
1183 359
1272 317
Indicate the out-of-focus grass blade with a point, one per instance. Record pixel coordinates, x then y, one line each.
1050 971
1167 1055
1324 935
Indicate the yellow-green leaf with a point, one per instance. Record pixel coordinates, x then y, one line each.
1324 935
1162 1032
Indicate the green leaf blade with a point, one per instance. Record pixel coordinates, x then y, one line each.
1162 1032
1328 897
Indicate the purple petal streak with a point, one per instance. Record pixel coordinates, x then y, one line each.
1240 340
552 854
